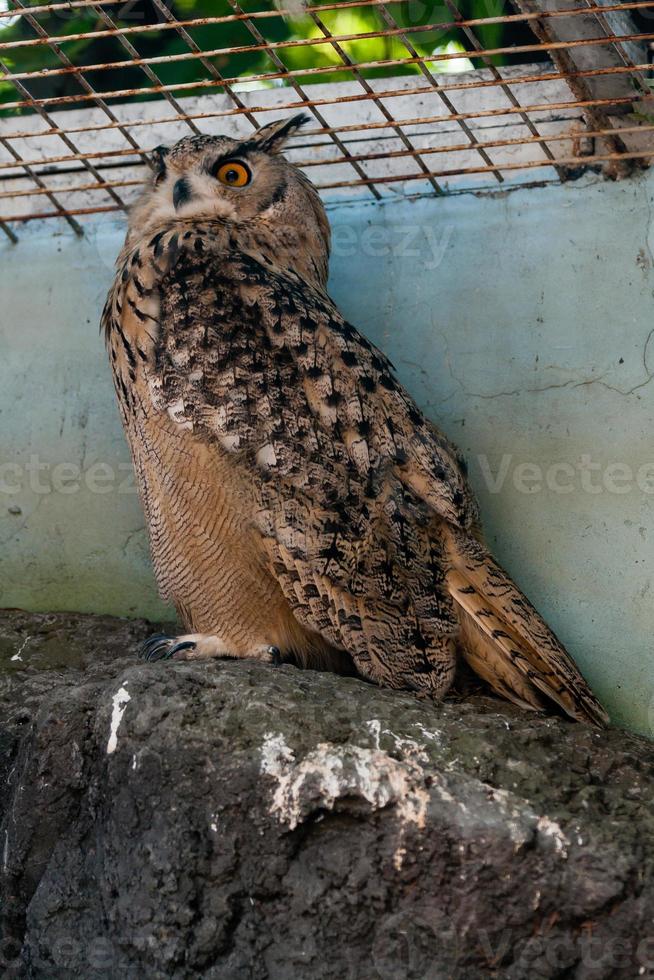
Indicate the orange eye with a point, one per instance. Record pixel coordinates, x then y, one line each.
233 174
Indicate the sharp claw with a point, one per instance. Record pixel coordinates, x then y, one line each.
155 638
276 657
162 647
153 647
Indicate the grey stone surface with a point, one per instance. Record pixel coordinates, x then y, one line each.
232 820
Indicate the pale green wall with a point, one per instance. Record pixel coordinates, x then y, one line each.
520 321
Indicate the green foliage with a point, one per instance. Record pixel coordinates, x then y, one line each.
162 42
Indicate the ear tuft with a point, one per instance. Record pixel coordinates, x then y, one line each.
158 159
271 137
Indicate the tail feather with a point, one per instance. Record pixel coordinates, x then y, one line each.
480 652
507 643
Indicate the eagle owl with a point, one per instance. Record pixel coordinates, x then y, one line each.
300 506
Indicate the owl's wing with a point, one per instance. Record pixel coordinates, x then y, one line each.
268 366
363 505
349 473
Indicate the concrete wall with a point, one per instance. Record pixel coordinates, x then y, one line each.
521 322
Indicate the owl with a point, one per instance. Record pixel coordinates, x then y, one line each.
300 506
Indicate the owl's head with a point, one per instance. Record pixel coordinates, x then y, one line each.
246 182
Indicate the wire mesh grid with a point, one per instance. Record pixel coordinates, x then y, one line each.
405 96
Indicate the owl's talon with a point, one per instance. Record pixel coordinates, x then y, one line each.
155 647
162 647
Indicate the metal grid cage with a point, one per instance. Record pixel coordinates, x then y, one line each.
406 96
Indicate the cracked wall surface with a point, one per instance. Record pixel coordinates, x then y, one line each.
521 321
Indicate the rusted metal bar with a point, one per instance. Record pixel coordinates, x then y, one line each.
88 89
39 215
566 137
341 99
356 127
39 183
565 55
527 165
11 235
144 65
381 108
70 157
47 8
280 11
73 189
389 19
477 114
299 91
290 75
204 61
476 52
506 88
387 179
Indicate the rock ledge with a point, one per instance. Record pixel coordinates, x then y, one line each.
232 820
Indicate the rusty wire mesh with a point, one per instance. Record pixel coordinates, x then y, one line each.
564 88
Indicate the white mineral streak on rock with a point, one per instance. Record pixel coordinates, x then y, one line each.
120 701
273 752
333 771
406 745
548 828
375 728
19 653
430 736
